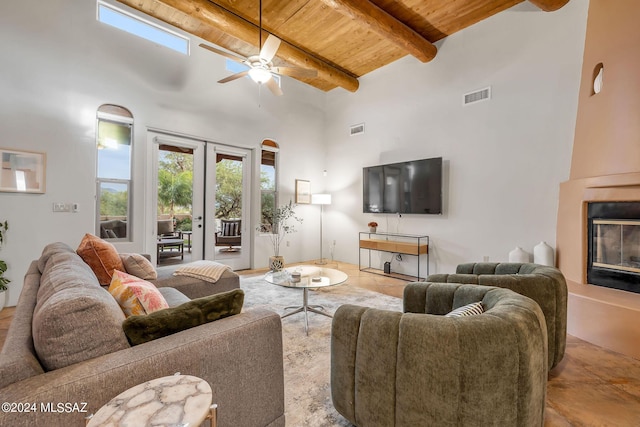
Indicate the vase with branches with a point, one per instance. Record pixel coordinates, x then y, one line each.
279 226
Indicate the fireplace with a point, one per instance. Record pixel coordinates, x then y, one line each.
613 259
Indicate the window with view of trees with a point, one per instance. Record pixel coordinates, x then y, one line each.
268 183
228 186
175 185
114 143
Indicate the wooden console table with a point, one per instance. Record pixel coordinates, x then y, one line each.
403 244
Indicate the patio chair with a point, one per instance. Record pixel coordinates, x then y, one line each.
167 231
230 234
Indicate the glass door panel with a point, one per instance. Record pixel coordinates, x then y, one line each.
177 224
228 175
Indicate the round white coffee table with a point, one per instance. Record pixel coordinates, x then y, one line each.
176 400
311 276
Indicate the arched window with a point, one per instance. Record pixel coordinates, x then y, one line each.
114 143
268 182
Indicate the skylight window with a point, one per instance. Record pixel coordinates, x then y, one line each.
132 24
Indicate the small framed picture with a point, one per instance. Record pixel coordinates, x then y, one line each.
303 191
22 171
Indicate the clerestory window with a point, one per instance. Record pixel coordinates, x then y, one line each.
125 21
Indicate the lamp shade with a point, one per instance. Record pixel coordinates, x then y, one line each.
321 199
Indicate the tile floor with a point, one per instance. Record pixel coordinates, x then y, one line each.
592 386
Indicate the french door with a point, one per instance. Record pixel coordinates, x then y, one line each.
199 186
228 184
177 206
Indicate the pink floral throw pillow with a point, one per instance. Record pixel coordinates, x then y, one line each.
134 295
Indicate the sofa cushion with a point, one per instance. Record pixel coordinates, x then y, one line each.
49 250
64 270
139 266
101 256
74 319
173 296
134 295
140 329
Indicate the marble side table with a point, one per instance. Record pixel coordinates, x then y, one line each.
173 401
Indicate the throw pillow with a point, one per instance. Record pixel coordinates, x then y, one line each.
101 256
139 266
467 310
140 329
134 295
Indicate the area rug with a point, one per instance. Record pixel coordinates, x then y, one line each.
307 357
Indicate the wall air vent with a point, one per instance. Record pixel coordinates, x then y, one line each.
476 96
356 129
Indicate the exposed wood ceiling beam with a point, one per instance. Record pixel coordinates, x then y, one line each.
210 14
549 5
379 21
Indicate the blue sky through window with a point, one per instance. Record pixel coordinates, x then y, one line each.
133 25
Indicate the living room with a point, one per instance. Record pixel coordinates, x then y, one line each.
505 158
63 66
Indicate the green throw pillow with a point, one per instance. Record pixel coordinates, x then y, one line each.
140 329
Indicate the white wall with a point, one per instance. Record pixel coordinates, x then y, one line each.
58 65
504 158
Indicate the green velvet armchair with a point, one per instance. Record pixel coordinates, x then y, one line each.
420 368
545 285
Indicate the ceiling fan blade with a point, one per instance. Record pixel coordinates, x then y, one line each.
295 72
234 76
269 48
229 55
272 84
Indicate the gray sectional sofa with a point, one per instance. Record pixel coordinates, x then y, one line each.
66 345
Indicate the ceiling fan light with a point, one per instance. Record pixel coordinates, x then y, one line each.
259 75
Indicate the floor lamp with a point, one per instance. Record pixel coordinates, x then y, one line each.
321 199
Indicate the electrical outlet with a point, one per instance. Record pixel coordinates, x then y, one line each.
288 243
485 258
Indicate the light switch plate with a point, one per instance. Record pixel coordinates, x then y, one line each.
61 207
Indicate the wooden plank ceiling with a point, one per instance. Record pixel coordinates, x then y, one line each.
341 39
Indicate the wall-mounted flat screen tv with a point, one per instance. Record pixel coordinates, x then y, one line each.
413 187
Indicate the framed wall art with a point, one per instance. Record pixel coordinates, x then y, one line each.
22 171
303 191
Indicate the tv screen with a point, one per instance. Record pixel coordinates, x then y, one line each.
413 187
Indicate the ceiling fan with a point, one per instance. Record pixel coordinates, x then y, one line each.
261 68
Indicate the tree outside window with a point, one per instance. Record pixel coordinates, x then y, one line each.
175 187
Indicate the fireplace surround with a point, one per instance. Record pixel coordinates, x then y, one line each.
613 256
602 315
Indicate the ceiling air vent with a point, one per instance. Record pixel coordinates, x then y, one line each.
477 96
356 129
